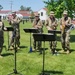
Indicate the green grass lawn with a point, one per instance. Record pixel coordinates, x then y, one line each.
31 63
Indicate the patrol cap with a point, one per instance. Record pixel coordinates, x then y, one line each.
65 12
52 13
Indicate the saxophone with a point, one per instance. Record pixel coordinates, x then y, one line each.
63 28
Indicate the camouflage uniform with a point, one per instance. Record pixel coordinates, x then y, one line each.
1 36
37 24
65 32
51 24
16 33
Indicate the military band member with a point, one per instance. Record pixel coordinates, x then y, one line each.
1 35
37 23
14 22
51 24
65 23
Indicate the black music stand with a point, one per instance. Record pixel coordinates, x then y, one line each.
9 29
31 30
54 32
15 50
43 37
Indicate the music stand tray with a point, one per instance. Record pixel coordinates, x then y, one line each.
43 37
9 29
30 30
54 31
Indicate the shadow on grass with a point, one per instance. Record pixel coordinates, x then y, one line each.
72 50
44 48
52 73
60 52
7 54
38 50
58 49
23 46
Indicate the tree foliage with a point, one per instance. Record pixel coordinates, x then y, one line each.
59 6
1 7
23 8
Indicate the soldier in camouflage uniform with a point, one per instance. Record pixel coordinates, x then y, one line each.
37 23
14 22
65 23
51 24
1 35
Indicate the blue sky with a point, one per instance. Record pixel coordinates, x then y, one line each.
34 4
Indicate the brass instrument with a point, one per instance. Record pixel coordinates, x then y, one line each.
63 28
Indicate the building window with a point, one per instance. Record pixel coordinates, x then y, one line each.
41 13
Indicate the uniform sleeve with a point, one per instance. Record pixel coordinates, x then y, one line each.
60 23
56 23
34 23
46 22
40 24
69 20
19 19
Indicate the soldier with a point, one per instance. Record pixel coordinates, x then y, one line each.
1 35
37 23
65 23
14 22
51 24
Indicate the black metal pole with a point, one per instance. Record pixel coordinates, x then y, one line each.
30 39
30 44
15 50
43 58
8 39
15 70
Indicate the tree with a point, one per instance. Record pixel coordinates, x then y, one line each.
28 9
70 5
60 5
50 5
1 7
23 8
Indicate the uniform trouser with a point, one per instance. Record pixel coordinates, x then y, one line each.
65 40
1 44
15 38
11 40
38 43
53 46
18 41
